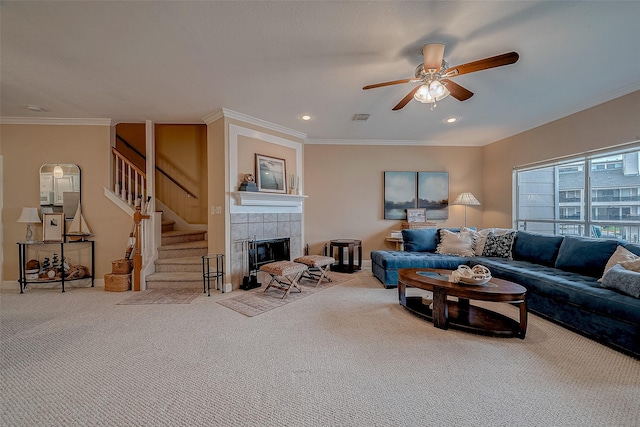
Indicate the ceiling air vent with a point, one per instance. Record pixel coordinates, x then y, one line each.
360 117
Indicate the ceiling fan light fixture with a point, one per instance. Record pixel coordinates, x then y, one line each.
426 96
436 89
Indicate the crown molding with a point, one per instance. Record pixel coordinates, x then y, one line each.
224 112
387 142
55 121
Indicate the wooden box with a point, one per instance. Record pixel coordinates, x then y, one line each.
412 225
117 282
121 266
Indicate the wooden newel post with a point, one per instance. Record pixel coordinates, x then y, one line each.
138 216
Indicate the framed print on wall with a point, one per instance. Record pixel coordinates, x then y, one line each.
433 194
271 174
52 227
416 215
399 194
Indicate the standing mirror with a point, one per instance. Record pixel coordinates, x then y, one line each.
59 189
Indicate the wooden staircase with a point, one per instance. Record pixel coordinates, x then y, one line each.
179 263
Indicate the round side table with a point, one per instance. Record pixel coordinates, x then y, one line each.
352 246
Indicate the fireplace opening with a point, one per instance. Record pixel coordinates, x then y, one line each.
263 252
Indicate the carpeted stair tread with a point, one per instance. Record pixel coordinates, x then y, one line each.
173 233
198 244
188 260
175 277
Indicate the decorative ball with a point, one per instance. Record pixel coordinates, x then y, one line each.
248 177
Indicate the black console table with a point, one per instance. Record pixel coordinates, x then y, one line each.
54 247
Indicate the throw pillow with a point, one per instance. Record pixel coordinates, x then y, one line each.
456 243
499 246
481 237
419 239
632 265
620 255
622 280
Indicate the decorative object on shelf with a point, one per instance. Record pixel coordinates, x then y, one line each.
29 216
416 215
78 230
478 275
52 227
270 174
32 269
293 189
412 225
248 183
466 199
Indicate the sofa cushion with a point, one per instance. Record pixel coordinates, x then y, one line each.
456 243
620 279
537 248
420 239
499 246
585 255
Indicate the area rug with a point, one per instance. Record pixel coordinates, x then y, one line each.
256 301
162 296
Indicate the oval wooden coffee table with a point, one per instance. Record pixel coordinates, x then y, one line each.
461 314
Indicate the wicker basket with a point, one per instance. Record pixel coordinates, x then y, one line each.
121 266
117 282
411 225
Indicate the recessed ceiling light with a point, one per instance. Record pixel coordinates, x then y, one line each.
305 117
451 120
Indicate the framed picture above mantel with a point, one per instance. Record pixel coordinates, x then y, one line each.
271 174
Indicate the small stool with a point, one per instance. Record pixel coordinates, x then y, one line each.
285 273
318 267
209 273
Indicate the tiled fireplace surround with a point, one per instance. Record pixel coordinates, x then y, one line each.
262 226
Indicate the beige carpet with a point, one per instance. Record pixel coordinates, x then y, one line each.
348 356
162 296
257 301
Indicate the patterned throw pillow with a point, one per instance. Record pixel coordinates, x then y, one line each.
499 246
456 243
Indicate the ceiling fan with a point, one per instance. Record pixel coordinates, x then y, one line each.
434 74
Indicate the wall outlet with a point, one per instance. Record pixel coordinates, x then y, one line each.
217 210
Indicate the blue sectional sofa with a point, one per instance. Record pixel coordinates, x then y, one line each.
561 274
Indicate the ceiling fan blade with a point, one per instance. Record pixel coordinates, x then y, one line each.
457 91
483 64
433 54
406 99
394 82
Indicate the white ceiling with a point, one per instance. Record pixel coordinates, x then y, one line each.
177 62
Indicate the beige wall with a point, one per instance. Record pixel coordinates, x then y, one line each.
181 152
24 149
345 185
612 123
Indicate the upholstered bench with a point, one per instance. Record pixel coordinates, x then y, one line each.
317 267
284 275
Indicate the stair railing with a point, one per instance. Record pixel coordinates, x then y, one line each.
160 170
129 181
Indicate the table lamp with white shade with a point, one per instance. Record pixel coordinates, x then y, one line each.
466 199
29 216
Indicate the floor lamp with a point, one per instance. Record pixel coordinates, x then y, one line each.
466 199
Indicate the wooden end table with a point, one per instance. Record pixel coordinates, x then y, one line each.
461 314
352 246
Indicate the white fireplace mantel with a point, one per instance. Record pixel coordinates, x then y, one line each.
257 198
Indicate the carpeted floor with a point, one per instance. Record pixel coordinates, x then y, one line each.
257 301
346 356
162 296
